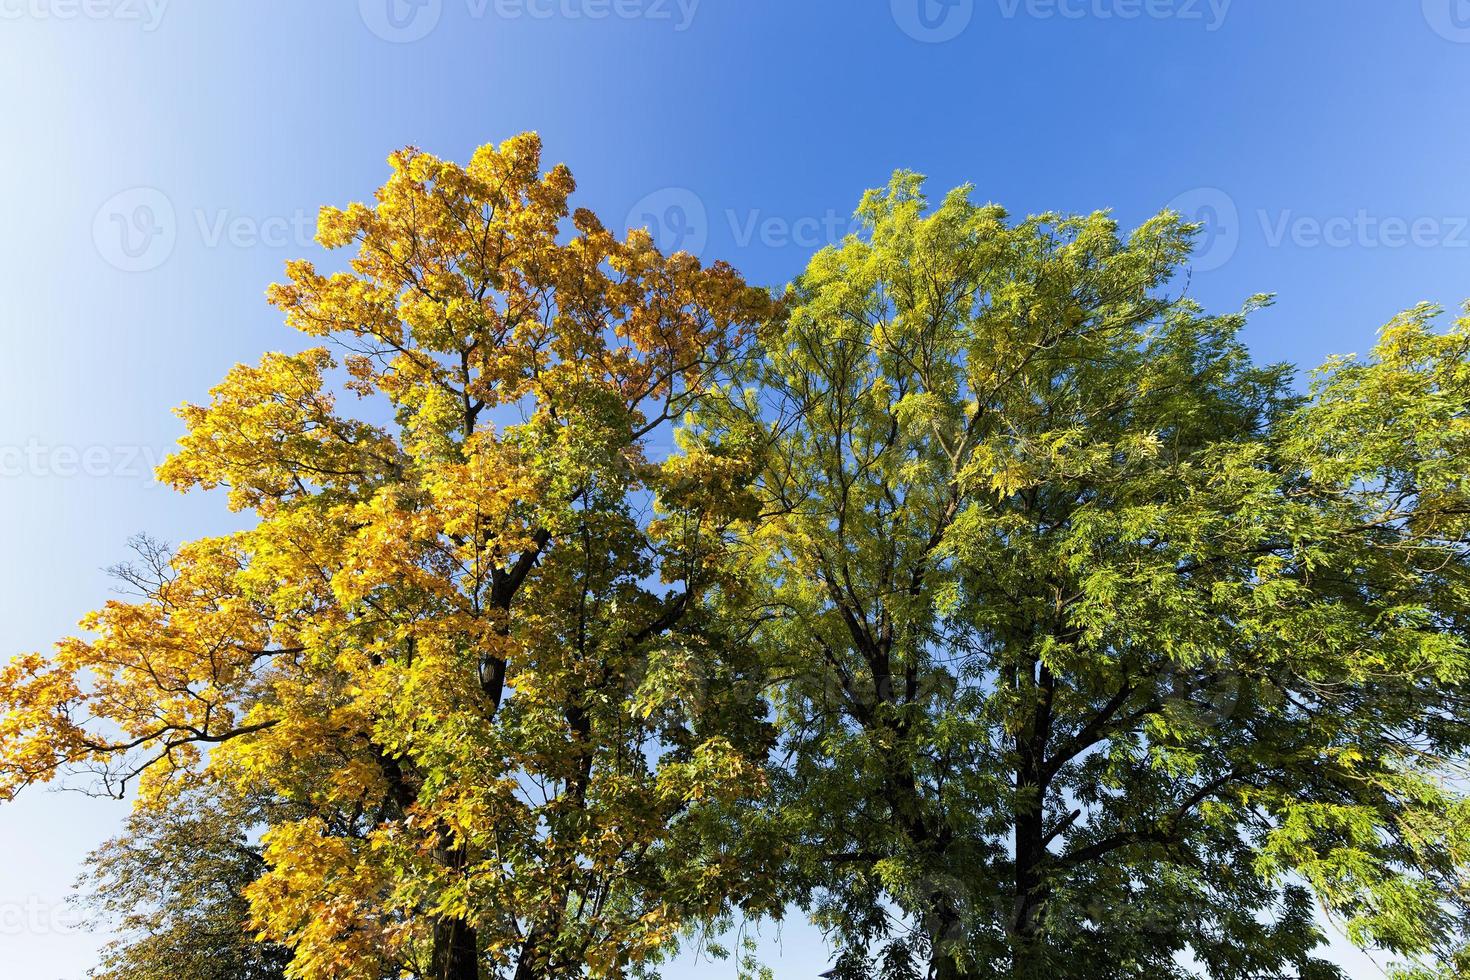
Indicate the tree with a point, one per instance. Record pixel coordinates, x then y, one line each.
995 606
174 882
456 639
1099 647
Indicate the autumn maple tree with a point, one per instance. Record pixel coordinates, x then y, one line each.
455 642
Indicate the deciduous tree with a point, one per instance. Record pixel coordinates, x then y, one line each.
1104 653
458 635
1090 647
173 884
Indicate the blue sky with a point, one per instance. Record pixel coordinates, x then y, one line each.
163 158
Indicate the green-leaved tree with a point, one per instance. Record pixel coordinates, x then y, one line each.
1100 651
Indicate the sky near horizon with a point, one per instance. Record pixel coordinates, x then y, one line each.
164 158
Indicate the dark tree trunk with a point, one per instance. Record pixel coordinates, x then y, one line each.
945 930
1033 892
456 946
1029 912
456 951
456 954
531 964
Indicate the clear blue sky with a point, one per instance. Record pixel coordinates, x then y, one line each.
163 158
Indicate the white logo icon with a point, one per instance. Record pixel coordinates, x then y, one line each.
401 21
1219 237
676 218
135 231
933 21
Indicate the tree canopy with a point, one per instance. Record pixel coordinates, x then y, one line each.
980 595
1106 651
499 527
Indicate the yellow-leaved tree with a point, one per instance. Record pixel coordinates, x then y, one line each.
465 644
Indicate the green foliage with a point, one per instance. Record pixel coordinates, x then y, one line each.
173 883
1099 650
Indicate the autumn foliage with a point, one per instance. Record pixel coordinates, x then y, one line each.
981 597
455 500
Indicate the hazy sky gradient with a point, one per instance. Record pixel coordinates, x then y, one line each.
163 158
